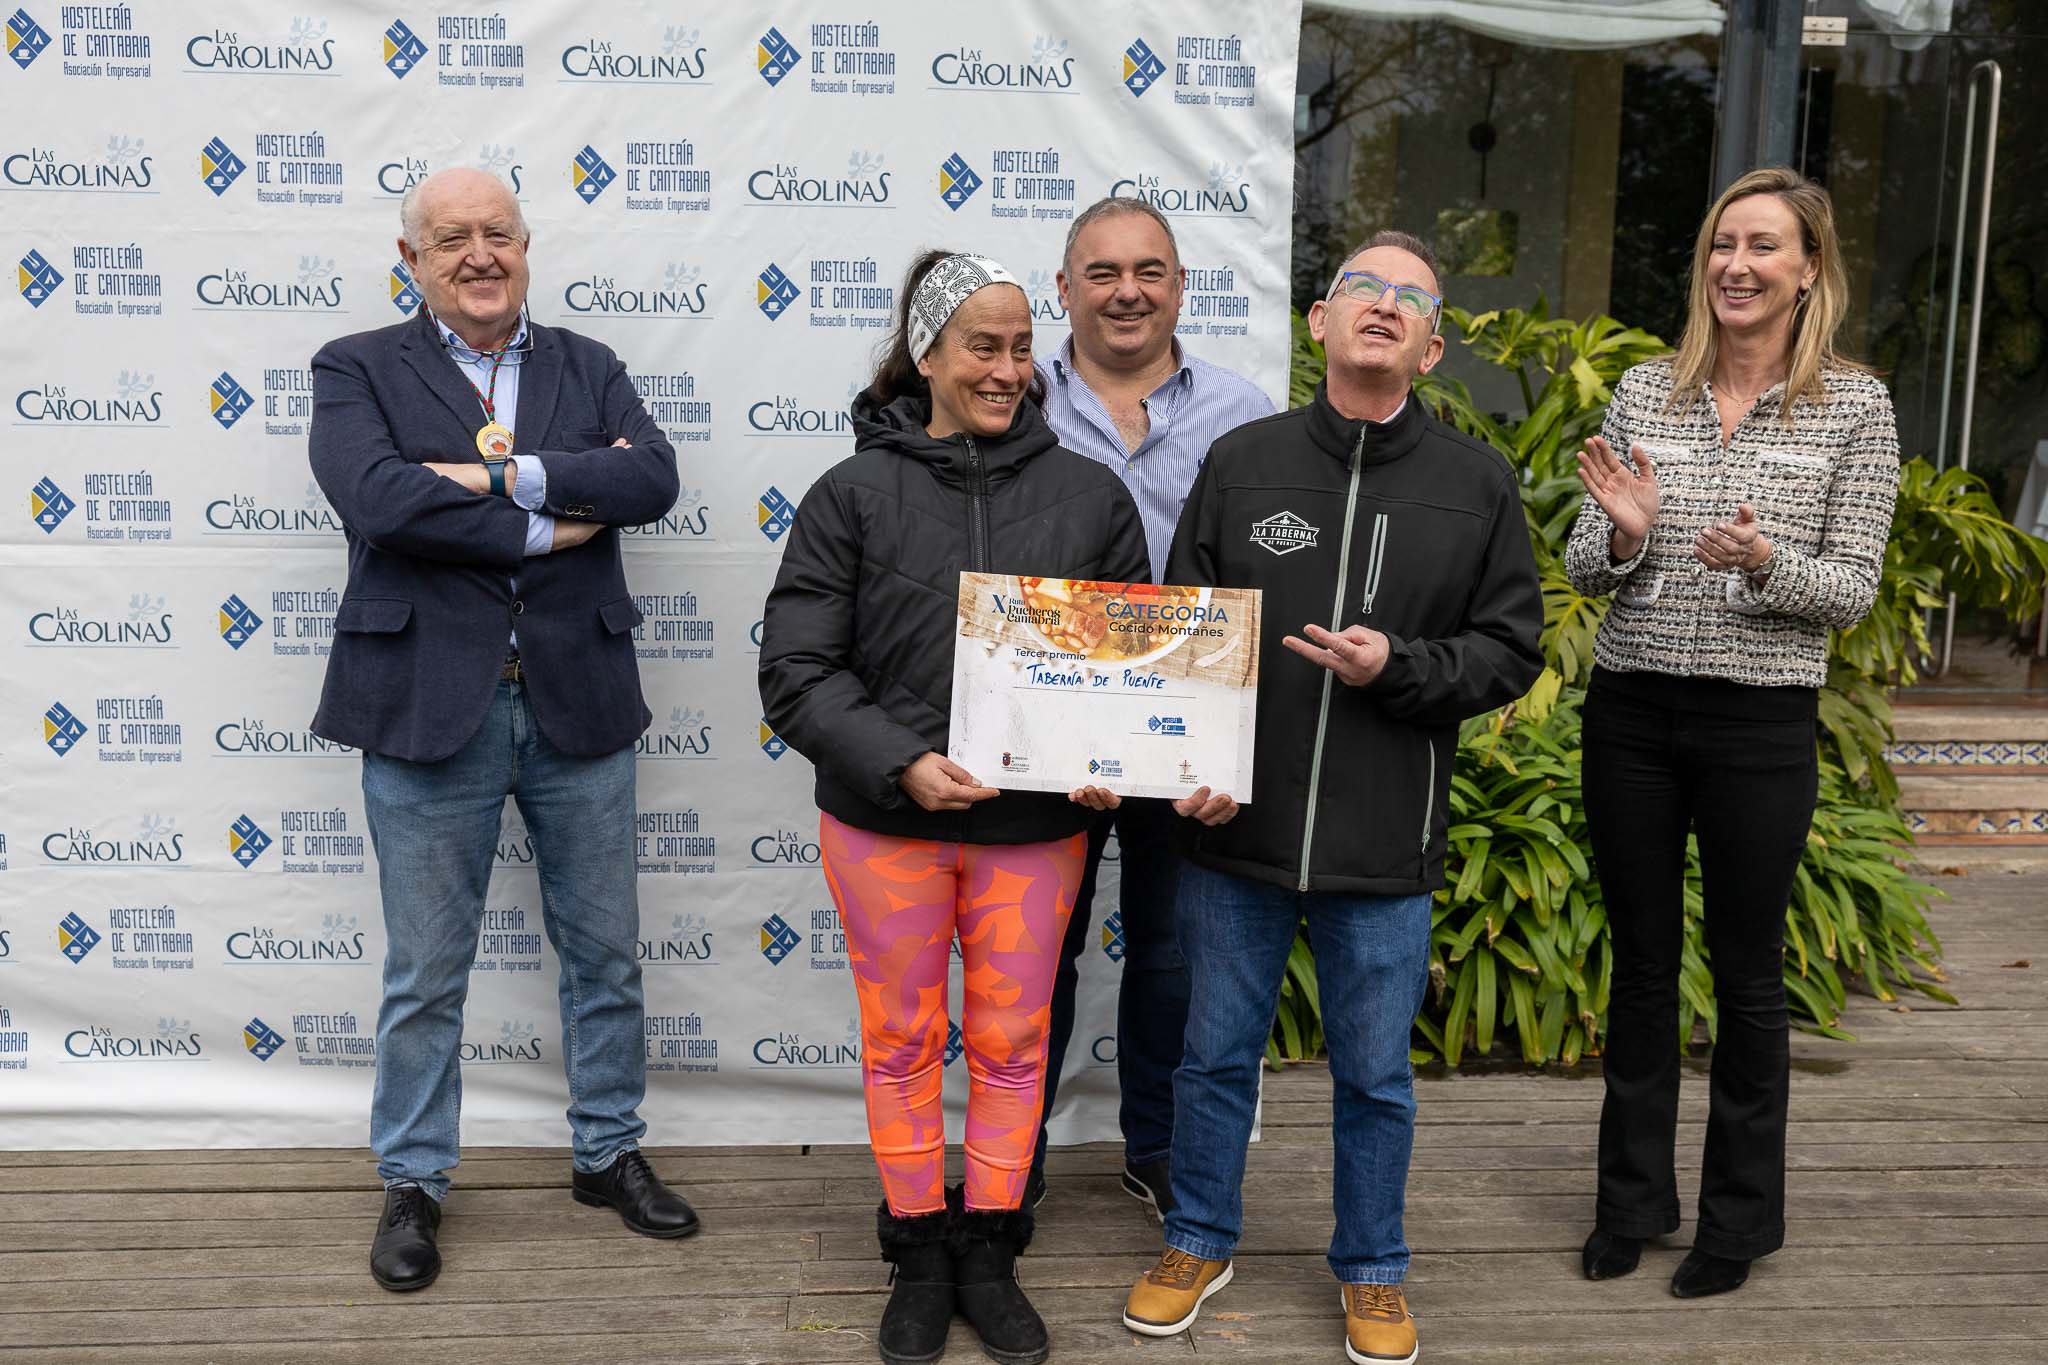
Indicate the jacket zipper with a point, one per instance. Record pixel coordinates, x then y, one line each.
977 508
1315 766
1428 795
1374 558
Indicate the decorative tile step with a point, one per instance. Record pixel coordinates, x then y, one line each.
1931 724
1971 789
1972 753
1977 822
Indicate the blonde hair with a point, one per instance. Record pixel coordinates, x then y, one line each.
1816 318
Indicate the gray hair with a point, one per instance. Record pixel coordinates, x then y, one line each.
1394 237
1116 206
413 229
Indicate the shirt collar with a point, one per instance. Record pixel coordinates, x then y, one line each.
1063 362
470 355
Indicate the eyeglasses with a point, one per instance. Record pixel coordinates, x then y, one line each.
1368 289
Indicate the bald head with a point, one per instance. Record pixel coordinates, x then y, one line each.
461 185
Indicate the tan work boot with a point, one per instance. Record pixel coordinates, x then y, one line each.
1377 1327
1169 1296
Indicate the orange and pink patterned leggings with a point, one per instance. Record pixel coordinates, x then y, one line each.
902 901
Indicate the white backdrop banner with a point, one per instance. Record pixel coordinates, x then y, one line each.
197 197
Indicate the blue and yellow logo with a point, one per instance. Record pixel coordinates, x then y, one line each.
405 295
589 175
771 743
778 940
61 729
219 167
957 181
773 292
260 1038
246 841
76 938
1141 68
1113 936
402 51
25 39
775 57
227 400
49 505
955 1043
774 513
38 278
237 622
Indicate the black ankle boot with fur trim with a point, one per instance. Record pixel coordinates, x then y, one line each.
986 1244
920 1310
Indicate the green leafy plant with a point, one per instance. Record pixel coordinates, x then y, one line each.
1519 944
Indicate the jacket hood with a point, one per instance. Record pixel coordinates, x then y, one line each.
898 426
1335 434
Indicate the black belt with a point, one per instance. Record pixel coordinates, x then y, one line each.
512 671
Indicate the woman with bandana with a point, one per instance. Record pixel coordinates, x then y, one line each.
954 469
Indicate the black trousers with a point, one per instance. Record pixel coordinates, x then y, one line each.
1736 766
1152 999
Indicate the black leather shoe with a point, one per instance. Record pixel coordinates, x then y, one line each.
1608 1257
1699 1275
1151 1183
631 1186
403 1255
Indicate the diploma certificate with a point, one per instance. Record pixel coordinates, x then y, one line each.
1145 690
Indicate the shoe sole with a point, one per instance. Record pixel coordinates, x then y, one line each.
665 1234
1016 1357
1137 1190
1167 1329
1358 1357
891 1358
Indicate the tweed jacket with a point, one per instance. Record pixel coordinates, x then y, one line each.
1823 489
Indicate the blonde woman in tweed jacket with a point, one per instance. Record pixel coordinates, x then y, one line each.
1749 520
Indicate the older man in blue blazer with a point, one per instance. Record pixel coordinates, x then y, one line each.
483 649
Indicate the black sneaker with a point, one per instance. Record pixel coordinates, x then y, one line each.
1149 1183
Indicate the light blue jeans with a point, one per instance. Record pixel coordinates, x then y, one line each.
435 828
1372 963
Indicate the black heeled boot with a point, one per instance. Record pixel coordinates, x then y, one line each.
1700 1274
920 1310
1608 1257
986 1244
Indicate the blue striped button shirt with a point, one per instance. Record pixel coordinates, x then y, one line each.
1192 407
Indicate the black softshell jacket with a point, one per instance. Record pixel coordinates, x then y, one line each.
1414 530
857 647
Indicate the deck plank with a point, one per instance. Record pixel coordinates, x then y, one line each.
1917 1178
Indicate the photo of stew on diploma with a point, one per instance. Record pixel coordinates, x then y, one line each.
1146 689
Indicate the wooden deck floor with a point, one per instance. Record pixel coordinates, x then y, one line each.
1918 1202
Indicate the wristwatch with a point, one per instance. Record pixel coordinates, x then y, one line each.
497 471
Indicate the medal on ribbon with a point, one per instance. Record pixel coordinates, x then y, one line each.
493 441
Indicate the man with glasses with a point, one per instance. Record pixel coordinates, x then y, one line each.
1122 391
1400 598
483 648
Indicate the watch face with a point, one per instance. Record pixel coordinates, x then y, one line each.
494 443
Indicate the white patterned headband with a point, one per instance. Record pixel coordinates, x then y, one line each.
941 292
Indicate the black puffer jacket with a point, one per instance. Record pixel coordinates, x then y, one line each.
857 648
1409 528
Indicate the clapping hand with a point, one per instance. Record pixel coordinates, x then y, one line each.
1738 543
1627 496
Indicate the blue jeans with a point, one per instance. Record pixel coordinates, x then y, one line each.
435 828
1372 963
1152 998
